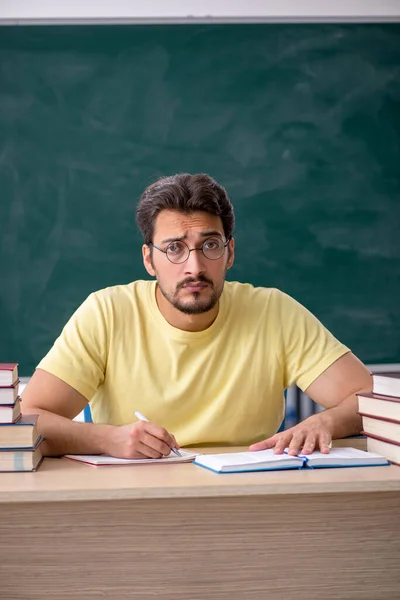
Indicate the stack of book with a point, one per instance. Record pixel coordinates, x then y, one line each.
19 437
380 413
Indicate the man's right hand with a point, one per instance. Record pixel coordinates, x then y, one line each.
57 404
139 440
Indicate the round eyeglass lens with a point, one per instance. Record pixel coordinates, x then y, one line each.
212 248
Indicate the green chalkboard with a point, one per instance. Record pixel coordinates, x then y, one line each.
301 123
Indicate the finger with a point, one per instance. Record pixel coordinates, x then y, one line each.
139 434
157 445
132 452
160 433
325 442
147 451
264 445
296 443
283 442
139 455
309 443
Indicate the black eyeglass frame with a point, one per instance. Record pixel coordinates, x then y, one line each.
190 250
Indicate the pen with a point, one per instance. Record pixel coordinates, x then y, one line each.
141 417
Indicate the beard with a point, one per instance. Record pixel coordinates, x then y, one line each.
196 305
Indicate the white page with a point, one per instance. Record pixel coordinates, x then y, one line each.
339 456
104 459
267 455
247 459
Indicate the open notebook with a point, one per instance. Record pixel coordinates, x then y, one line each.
99 460
266 460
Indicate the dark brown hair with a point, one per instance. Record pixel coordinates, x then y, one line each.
184 193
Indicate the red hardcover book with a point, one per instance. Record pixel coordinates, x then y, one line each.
11 413
384 447
387 384
8 395
8 374
383 428
378 405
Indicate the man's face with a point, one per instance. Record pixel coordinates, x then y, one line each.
194 286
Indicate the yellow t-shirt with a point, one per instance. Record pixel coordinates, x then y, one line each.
224 385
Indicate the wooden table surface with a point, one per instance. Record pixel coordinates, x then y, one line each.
64 479
181 532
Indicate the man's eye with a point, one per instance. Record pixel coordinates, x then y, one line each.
211 245
175 248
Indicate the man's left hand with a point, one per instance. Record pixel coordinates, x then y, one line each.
305 437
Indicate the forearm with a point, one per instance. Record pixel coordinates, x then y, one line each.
342 420
63 436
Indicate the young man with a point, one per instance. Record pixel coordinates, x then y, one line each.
205 360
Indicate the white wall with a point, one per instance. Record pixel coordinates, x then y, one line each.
14 12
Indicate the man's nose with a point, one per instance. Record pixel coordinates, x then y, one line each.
195 262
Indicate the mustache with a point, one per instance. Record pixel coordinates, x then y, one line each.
201 278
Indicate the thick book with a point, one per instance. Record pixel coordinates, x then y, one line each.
388 448
10 413
387 384
23 434
21 460
8 374
266 460
100 460
377 405
8 395
385 428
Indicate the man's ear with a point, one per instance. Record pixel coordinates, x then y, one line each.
148 264
231 253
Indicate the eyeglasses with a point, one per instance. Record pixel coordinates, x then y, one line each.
178 252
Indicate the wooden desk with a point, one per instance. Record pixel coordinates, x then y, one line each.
180 532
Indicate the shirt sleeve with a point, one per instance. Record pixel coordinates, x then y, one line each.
79 354
307 348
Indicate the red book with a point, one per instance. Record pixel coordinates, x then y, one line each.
384 447
377 405
8 374
10 414
384 428
8 395
387 384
